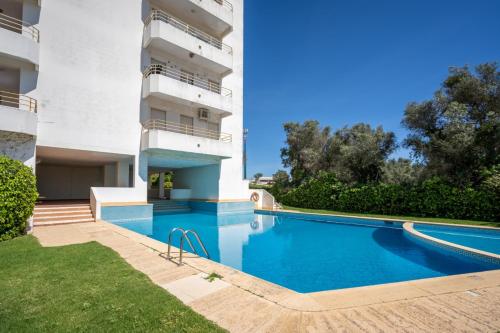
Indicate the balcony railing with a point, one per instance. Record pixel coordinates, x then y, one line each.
17 101
162 125
159 15
187 78
224 3
21 27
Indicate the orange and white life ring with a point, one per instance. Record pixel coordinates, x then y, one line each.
255 197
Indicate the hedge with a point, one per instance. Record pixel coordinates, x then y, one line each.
17 197
432 198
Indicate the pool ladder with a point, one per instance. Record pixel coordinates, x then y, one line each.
185 235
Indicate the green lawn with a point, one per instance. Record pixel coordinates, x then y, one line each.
409 218
84 288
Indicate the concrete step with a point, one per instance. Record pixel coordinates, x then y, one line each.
66 221
61 217
61 212
59 208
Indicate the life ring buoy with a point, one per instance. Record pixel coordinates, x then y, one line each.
255 197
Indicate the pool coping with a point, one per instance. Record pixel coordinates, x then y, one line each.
469 251
323 300
402 220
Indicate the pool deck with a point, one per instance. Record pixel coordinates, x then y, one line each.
243 303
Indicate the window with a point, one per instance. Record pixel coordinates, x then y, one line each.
187 125
187 77
158 114
213 129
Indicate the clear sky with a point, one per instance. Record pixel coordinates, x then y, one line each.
347 61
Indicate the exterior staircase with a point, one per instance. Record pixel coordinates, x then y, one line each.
56 213
170 206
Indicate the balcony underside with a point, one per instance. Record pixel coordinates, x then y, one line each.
166 38
209 14
175 150
168 89
18 50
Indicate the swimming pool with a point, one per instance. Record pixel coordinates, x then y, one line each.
309 253
481 239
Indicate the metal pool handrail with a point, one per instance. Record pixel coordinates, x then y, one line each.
184 235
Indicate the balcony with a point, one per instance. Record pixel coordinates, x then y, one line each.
181 87
19 40
214 16
184 145
168 34
18 113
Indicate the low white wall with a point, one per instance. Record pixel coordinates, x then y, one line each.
265 201
180 194
17 120
100 195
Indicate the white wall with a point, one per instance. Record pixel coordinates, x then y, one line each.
89 81
232 185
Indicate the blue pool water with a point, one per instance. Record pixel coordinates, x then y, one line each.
306 255
481 239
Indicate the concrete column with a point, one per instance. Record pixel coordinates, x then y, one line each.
161 187
122 170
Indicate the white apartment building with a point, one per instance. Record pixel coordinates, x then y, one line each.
98 95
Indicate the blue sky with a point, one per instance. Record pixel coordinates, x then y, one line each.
350 61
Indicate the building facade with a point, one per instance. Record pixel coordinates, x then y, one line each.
97 96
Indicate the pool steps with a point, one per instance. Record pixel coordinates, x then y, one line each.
170 206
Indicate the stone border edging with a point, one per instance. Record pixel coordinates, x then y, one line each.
468 251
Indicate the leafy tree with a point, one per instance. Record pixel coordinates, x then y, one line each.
281 183
357 154
457 133
257 176
401 172
305 149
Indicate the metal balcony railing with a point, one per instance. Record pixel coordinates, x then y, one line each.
17 101
224 3
159 15
21 27
162 125
187 78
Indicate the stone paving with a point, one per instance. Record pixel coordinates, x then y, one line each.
243 303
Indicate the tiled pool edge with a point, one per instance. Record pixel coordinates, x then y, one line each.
463 250
401 221
324 300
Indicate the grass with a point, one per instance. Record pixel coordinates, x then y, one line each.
409 218
84 288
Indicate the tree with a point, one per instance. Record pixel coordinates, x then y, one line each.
305 148
357 154
457 133
257 176
401 171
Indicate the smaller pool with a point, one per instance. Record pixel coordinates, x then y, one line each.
482 239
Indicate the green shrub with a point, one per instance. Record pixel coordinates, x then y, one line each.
17 197
432 198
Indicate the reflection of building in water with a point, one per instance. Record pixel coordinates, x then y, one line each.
233 237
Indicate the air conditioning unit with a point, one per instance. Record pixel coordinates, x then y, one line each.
203 114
